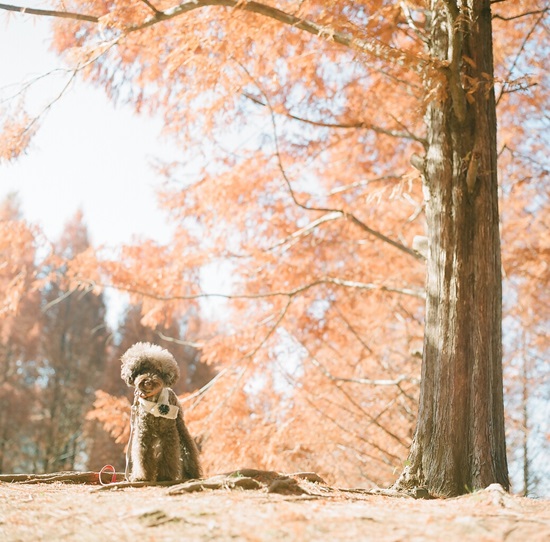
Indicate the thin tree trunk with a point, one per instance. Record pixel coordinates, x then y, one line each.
525 429
459 442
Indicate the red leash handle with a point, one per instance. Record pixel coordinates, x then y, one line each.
113 477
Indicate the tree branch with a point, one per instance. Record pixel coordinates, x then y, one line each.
366 381
521 15
519 53
198 394
280 293
179 341
358 184
347 125
51 13
411 22
151 6
370 46
306 230
364 413
349 216
346 429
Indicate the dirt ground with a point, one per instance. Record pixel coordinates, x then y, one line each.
57 511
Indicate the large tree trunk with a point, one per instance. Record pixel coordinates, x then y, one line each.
459 442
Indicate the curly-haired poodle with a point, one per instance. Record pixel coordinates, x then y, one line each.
160 447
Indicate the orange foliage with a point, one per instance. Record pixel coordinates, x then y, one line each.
295 197
17 270
17 133
113 413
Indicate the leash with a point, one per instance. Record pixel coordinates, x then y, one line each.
106 468
113 477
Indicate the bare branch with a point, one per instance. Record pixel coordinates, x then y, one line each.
106 46
362 456
347 125
423 141
281 293
67 294
150 6
358 184
510 88
51 13
51 103
382 237
198 395
526 14
366 381
519 53
373 420
306 230
363 286
338 382
200 392
179 341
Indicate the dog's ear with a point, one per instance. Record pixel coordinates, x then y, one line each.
169 377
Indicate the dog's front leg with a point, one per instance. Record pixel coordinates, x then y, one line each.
144 460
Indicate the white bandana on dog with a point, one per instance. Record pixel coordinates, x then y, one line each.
162 408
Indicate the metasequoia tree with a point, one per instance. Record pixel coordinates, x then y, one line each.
348 93
73 350
19 332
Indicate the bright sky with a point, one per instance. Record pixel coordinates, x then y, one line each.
87 153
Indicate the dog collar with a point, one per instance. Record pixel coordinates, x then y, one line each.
162 408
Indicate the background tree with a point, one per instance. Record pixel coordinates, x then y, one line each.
314 216
526 248
19 333
73 350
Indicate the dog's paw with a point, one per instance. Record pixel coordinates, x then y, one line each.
138 479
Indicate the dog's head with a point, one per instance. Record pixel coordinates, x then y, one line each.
149 368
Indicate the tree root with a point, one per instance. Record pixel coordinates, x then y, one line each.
67 477
298 483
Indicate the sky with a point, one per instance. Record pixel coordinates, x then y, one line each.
88 154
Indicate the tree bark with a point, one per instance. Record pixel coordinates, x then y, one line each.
459 442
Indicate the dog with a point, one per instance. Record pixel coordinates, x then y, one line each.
161 448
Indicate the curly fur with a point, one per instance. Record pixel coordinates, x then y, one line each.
146 357
161 449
